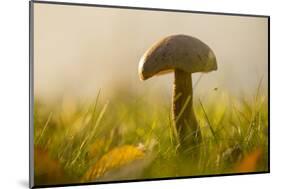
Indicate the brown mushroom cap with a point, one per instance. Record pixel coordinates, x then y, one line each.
181 52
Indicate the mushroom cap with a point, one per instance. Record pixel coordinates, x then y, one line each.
181 52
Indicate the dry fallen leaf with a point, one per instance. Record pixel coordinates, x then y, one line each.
250 161
115 158
47 170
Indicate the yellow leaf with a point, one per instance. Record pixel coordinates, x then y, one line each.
115 158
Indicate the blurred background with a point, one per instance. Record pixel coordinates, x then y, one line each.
81 50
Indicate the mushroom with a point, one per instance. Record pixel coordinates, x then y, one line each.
184 55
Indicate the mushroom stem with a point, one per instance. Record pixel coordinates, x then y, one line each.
183 115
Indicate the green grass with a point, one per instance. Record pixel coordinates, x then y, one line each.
232 129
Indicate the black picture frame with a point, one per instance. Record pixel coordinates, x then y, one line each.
31 89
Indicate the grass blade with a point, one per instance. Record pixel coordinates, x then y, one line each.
207 118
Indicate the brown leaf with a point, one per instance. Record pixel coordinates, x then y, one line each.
47 170
250 161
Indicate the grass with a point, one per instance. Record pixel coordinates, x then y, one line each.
131 137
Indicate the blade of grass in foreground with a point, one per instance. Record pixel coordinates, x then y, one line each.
208 121
91 134
95 106
183 108
44 128
255 113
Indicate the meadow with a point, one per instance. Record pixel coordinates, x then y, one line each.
130 136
